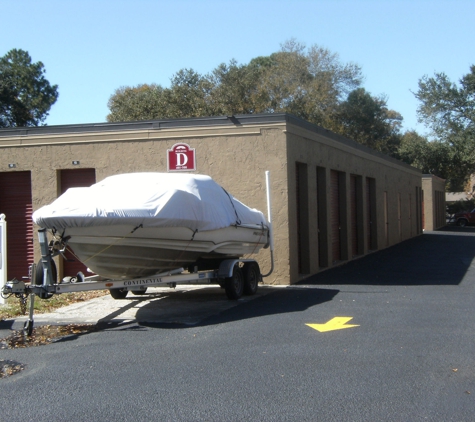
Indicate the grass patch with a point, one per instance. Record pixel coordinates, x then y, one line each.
12 309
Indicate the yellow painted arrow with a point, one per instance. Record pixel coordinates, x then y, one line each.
337 323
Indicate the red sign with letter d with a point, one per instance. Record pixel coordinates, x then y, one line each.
181 158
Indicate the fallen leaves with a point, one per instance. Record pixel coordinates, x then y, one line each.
13 308
42 335
10 367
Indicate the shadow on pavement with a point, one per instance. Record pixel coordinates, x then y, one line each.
279 301
6 327
436 258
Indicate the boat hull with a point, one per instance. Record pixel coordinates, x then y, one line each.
126 252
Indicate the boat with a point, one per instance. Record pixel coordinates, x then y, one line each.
140 224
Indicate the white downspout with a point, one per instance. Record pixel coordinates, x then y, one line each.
271 232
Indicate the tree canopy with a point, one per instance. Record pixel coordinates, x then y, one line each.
26 96
310 83
367 120
449 111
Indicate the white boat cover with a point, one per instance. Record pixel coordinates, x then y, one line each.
150 199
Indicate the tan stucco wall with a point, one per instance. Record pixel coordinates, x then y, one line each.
434 202
236 156
334 153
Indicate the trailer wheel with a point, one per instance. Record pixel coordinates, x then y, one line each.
139 292
234 285
118 293
40 276
252 275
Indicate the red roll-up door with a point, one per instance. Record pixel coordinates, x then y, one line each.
335 215
16 204
75 178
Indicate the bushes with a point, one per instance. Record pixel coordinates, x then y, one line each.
459 206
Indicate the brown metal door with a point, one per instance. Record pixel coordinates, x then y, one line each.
423 216
75 178
302 218
16 204
368 215
354 220
386 218
322 217
335 215
299 223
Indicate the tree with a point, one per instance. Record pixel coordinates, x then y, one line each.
136 103
307 84
430 157
235 89
311 84
25 94
449 111
187 96
438 158
368 121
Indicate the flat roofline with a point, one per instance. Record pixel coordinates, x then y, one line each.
231 121
236 120
432 176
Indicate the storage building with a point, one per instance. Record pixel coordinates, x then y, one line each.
332 199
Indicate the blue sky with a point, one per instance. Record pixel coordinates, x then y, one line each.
91 48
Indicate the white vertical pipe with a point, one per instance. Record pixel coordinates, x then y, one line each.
269 218
269 212
3 254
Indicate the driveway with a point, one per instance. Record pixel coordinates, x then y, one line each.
398 346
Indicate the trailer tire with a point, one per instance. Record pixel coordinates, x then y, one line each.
40 276
252 275
234 285
139 292
118 294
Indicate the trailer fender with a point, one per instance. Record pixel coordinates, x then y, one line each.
226 267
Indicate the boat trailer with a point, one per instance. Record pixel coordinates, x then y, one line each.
237 276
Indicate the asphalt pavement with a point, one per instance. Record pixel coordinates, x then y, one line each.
183 305
192 355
